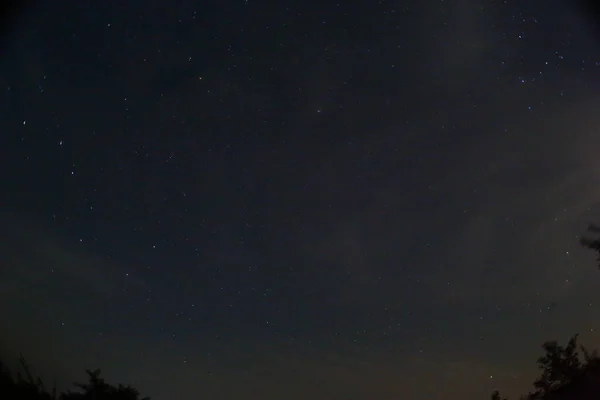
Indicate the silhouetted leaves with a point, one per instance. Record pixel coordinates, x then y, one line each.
24 386
560 365
592 244
565 375
98 389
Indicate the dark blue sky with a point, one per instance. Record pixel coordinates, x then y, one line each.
257 200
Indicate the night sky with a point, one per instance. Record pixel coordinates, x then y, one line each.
298 199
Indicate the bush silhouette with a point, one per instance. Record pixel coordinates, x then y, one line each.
22 386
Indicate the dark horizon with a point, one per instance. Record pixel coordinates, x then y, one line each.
310 200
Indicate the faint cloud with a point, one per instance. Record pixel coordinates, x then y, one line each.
511 248
36 259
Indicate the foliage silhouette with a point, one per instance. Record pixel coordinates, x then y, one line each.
98 389
592 244
567 373
571 372
496 395
23 386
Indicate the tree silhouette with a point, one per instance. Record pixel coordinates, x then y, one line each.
565 374
560 365
98 389
23 386
571 372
